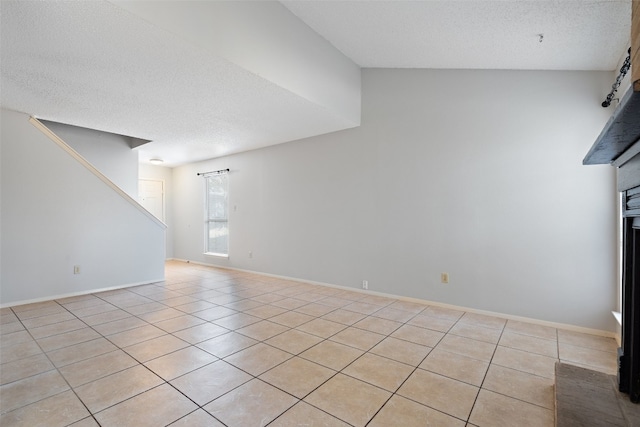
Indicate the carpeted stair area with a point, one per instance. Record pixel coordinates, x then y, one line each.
591 399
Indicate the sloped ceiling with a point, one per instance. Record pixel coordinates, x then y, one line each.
206 79
96 65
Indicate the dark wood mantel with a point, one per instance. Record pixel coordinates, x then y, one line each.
623 128
620 133
635 44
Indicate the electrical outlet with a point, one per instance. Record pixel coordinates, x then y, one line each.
365 284
444 277
250 254
76 269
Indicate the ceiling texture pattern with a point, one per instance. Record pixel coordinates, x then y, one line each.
207 79
474 34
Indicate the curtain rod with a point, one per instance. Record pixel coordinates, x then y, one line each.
213 172
614 88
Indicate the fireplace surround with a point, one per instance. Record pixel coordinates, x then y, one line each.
619 145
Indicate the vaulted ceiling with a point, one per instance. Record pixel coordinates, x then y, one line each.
206 79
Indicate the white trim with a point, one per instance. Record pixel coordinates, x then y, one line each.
216 255
557 325
207 219
75 294
73 153
618 316
164 185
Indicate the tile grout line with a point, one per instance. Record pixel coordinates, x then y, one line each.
246 290
486 373
395 393
349 364
106 376
518 370
56 369
422 361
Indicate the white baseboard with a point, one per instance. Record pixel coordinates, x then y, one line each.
75 294
565 326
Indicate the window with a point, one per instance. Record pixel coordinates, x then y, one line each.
217 214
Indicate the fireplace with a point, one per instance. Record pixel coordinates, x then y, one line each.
629 353
619 145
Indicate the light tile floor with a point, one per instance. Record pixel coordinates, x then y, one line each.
213 347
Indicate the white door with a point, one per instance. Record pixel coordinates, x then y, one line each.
151 196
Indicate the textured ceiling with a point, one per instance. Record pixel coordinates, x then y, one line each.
474 34
95 65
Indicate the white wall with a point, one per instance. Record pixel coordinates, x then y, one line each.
57 214
107 152
474 173
165 174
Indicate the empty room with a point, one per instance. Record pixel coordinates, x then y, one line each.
320 213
